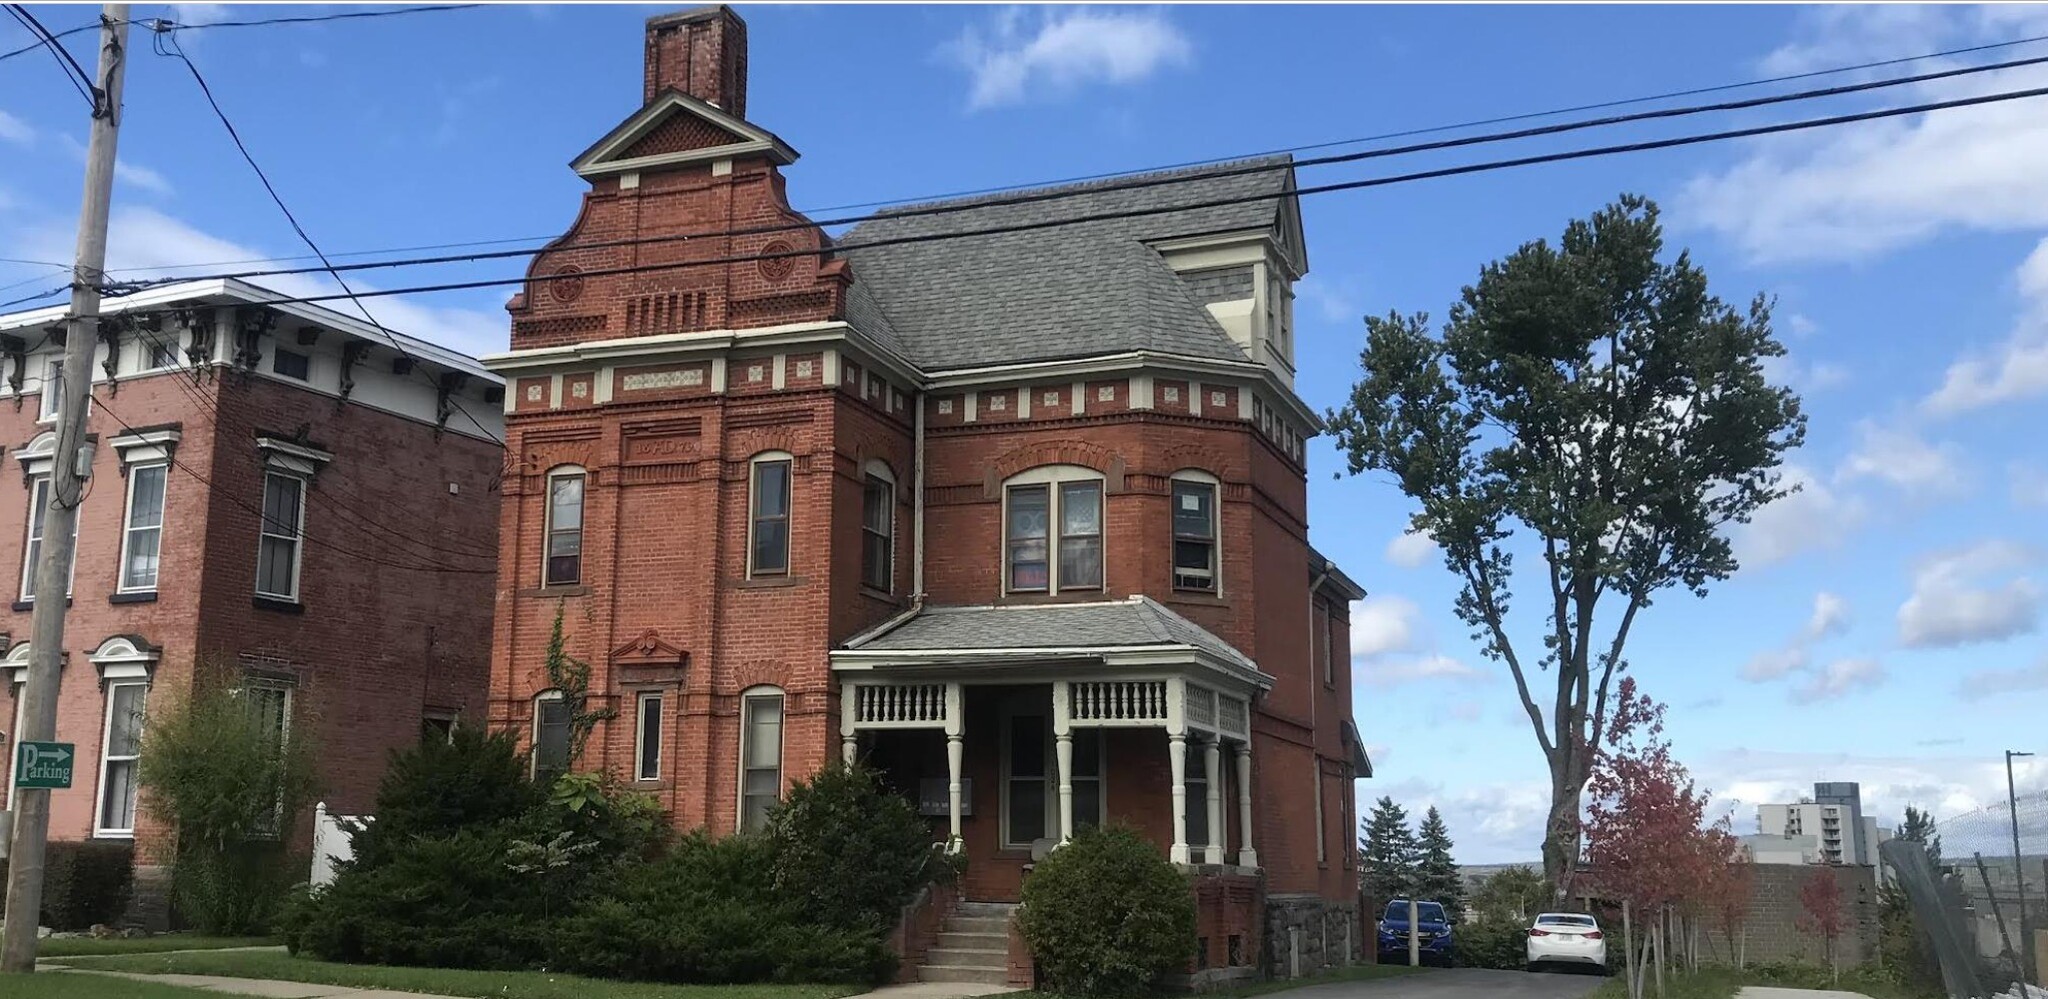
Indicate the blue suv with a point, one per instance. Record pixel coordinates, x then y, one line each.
1432 925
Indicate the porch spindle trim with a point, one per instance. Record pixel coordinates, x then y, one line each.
1232 716
901 705
1119 702
1201 706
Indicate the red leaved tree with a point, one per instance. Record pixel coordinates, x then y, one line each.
1644 843
1730 886
1820 911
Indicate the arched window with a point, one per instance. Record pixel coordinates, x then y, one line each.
878 528
1196 555
1052 530
563 565
16 667
125 663
760 755
36 461
768 497
550 735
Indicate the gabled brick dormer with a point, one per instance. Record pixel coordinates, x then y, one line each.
682 171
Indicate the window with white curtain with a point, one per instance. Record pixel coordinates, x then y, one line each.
142 534
120 752
760 756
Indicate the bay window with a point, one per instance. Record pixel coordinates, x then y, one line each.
768 515
1053 531
1194 534
564 562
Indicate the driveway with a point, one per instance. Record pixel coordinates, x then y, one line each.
1458 983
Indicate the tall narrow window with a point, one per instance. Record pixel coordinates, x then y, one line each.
1320 638
32 551
1024 780
647 738
1196 777
1322 828
277 555
1081 535
878 534
142 537
550 736
565 529
53 389
768 532
1194 535
1052 530
271 704
760 758
119 750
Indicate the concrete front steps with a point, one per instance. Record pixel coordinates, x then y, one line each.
973 946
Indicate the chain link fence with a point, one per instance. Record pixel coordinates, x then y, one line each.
1996 901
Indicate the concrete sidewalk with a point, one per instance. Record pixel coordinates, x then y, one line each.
1773 992
249 986
934 990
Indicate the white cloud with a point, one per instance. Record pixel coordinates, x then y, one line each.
1814 517
1500 822
2017 368
15 130
1384 625
2029 483
1948 785
125 171
1389 670
1411 549
1897 455
1950 606
1804 376
1977 685
146 240
1335 301
1839 679
1775 664
1830 616
1033 52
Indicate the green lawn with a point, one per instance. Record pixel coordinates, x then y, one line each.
62 985
1355 973
440 981
80 946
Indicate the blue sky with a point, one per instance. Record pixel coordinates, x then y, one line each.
1885 627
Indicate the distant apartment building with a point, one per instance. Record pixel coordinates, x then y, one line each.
1832 820
305 500
1778 848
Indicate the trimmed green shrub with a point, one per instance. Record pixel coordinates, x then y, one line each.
84 882
848 852
623 823
708 912
1107 915
236 893
1490 943
442 786
451 901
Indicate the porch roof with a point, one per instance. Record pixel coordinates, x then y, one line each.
1101 629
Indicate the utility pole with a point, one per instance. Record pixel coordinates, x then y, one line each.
2019 870
68 470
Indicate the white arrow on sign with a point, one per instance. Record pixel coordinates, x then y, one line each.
57 755
37 755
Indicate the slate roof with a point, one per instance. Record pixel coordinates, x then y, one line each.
1134 623
1079 290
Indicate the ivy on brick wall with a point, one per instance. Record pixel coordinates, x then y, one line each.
571 676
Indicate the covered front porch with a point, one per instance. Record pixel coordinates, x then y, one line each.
1011 749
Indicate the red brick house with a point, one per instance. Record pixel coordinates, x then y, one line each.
275 486
1020 519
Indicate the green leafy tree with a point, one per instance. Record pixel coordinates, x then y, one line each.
1105 915
1919 828
571 676
1511 895
1436 874
1593 404
1387 854
848 852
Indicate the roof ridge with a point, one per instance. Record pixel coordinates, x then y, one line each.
1196 172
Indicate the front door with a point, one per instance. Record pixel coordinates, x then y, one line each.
1030 792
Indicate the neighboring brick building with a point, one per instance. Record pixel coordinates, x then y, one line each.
1021 519
274 487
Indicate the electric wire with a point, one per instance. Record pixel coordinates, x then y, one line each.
72 72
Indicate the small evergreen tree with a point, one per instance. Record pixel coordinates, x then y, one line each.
1387 852
1436 874
1919 828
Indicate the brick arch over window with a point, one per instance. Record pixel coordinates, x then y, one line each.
742 449
1055 452
1209 459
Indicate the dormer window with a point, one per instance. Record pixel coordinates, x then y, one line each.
1052 535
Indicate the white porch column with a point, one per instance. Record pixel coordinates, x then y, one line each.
849 717
1212 773
955 747
1063 752
1246 855
1177 754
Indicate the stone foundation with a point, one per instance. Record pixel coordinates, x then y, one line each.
1306 934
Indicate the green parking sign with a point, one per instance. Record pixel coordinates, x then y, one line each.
43 764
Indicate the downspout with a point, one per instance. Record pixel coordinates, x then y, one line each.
917 507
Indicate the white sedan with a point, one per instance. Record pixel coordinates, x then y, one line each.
1566 938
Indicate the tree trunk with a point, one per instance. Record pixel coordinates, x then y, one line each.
1561 831
1628 954
1657 954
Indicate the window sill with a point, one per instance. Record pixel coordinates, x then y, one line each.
276 604
30 604
558 590
111 834
137 597
769 582
879 596
1199 598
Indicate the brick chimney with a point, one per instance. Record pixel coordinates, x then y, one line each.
701 52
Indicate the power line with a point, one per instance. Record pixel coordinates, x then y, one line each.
1453 171
30 298
1434 129
167 44
1159 180
80 80
43 40
165 24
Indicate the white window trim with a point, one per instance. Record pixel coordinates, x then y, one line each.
533 758
298 540
548 522
146 447
1053 477
42 482
788 516
284 735
100 829
47 406
128 529
17 664
1010 712
143 343
878 470
1199 477
747 697
640 702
